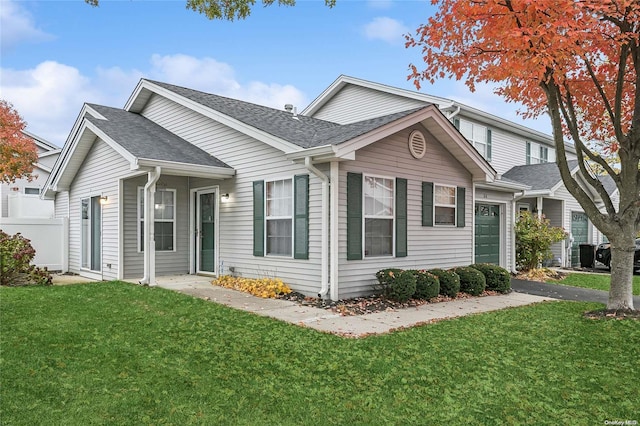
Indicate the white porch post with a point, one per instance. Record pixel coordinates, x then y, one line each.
539 204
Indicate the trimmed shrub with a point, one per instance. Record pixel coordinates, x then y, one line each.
449 282
16 254
472 281
498 278
427 285
396 284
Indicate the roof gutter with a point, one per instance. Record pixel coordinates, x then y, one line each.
149 232
324 248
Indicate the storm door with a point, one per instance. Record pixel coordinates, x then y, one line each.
206 231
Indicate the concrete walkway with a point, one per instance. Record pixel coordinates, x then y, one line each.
351 326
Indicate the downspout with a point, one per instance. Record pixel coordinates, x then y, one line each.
324 248
149 232
454 113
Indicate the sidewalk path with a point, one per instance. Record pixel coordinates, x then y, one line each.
563 292
350 326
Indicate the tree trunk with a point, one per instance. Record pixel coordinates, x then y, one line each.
622 252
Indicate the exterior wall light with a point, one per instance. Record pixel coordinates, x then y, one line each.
103 199
224 198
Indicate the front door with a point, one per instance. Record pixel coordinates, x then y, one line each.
91 234
580 233
487 233
206 231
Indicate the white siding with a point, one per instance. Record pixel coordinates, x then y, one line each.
356 103
98 175
428 247
62 204
17 187
252 160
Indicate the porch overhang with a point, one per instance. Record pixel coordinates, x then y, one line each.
184 169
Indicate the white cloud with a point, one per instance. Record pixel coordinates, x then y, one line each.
385 29
50 96
17 25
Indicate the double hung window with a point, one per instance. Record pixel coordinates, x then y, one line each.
378 216
164 219
279 210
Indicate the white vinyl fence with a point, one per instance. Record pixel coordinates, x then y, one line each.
48 236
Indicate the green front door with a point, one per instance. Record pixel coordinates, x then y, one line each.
206 231
487 231
580 233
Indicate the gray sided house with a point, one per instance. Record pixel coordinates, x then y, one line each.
322 202
524 160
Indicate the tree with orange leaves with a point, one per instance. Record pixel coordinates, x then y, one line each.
579 62
17 151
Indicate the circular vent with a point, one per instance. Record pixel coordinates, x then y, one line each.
417 144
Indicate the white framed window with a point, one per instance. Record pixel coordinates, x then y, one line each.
524 207
31 191
379 215
444 204
538 154
279 217
477 135
164 219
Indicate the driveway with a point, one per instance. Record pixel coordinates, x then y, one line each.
563 292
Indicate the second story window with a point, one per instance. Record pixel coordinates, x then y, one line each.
537 154
478 135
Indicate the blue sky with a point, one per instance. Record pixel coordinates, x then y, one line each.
56 55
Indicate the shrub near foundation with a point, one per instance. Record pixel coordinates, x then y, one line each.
427 285
498 278
449 282
396 284
472 281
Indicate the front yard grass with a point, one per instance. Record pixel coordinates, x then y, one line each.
116 353
595 281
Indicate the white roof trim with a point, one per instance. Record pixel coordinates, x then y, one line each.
443 104
501 185
194 170
260 135
46 145
344 80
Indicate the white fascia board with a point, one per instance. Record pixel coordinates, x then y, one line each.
500 185
46 145
538 193
43 167
319 152
241 127
343 80
50 153
194 170
113 144
63 159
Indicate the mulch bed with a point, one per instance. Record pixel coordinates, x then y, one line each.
617 314
370 304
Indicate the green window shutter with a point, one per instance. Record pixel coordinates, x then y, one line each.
456 123
354 216
258 218
301 217
427 203
401 217
460 203
528 152
488 144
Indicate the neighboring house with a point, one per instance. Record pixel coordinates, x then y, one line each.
24 211
21 199
524 159
367 177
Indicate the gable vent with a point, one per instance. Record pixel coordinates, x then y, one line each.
417 144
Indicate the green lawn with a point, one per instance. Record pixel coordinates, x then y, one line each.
115 353
595 281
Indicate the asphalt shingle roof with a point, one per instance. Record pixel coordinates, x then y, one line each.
303 131
145 139
538 176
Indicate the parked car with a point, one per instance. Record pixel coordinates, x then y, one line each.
603 255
